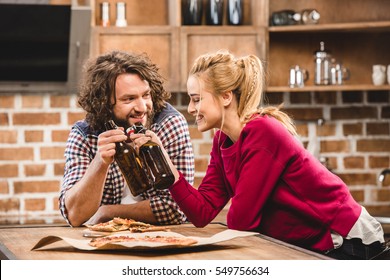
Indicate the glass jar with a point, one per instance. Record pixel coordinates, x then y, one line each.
285 17
310 16
105 14
121 14
322 60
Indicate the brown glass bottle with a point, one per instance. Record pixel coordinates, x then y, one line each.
130 165
154 160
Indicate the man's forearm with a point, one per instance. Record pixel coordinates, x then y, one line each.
84 198
139 211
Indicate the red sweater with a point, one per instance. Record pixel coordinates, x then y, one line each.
276 188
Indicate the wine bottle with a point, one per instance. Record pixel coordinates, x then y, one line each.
214 12
130 165
154 160
192 11
235 12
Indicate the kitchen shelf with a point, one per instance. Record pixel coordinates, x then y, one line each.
366 87
134 29
145 12
357 32
371 26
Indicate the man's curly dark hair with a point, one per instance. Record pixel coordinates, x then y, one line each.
98 84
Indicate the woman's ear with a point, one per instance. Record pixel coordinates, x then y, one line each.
227 98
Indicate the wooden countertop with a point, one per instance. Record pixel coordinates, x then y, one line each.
16 243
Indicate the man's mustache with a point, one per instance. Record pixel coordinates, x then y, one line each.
126 124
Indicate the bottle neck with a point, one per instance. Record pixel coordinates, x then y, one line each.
139 128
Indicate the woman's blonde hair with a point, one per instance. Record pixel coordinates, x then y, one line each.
244 76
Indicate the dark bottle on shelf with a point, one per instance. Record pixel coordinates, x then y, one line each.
154 160
130 165
191 12
235 12
214 12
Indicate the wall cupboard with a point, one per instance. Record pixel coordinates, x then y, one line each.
357 32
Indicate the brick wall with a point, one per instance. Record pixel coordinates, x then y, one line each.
354 139
33 133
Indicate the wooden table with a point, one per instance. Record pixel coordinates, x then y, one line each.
16 242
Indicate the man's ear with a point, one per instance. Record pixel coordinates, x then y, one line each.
227 98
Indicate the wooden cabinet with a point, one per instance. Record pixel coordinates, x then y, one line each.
151 29
357 32
199 40
155 27
159 42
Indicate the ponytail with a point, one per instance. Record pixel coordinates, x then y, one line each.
282 117
245 77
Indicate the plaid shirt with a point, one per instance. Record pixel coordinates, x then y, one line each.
170 126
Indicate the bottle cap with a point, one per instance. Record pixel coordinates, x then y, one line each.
110 125
315 15
322 52
297 17
138 128
130 131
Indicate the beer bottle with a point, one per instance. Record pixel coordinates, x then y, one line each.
130 165
154 160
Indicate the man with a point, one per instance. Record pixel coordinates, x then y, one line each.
128 89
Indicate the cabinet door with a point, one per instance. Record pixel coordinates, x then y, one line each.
357 35
145 12
159 43
198 41
155 27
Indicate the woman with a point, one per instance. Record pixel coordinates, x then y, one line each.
275 186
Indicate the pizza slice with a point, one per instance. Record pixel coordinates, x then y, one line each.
123 221
179 241
136 226
168 240
122 224
101 241
109 226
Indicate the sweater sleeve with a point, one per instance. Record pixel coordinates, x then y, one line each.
202 205
249 178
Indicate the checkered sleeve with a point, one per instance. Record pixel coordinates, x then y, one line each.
77 159
174 134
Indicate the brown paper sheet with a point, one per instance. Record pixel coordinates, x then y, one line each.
82 244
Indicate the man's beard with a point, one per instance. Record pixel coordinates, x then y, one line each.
126 124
